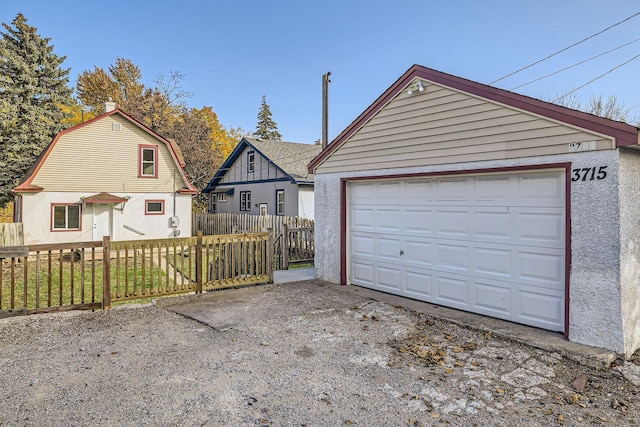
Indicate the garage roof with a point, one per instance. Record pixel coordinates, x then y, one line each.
623 133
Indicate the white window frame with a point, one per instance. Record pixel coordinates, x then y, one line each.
143 162
221 197
245 201
251 161
66 206
279 204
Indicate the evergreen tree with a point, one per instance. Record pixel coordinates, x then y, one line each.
266 128
33 92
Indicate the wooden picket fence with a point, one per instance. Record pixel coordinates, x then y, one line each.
93 275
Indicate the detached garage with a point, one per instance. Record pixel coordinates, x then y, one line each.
467 196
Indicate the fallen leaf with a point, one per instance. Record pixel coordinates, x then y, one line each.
499 391
457 350
548 412
560 417
435 415
350 423
449 371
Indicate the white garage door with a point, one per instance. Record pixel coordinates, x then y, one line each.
492 244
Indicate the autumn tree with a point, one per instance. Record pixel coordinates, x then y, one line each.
204 142
34 92
266 127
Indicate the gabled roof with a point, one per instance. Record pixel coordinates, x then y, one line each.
176 154
624 134
290 157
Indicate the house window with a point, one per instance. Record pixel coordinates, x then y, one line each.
154 207
221 197
263 209
148 161
279 202
251 161
65 217
245 200
213 198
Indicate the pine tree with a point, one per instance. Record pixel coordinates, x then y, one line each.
33 92
266 128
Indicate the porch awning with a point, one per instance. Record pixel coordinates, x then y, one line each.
104 198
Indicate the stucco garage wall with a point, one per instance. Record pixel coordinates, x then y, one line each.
595 312
630 247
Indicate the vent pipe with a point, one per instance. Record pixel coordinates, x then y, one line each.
325 109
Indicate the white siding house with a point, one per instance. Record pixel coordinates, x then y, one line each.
110 176
468 196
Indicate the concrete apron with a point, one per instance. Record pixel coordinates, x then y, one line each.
224 309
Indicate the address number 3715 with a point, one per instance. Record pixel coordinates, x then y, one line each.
589 174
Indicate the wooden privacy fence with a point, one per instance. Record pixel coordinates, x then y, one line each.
11 234
92 275
224 223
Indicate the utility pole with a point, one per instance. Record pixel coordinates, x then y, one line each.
325 109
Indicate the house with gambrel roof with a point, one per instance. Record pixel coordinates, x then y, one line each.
263 177
110 176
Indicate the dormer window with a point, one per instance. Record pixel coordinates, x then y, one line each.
251 161
148 167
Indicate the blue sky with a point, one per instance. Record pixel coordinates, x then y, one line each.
233 52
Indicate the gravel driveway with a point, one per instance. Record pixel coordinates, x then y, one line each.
338 361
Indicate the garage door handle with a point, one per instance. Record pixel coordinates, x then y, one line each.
401 253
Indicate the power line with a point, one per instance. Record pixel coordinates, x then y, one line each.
566 48
593 80
574 65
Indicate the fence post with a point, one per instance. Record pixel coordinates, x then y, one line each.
285 246
106 272
199 261
269 255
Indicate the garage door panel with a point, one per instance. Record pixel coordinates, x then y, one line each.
387 220
495 188
541 189
494 226
454 290
419 222
365 193
363 219
492 298
419 284
362 274
389 277
362 246
452 222
542 269
472 242
541 227
451 256
452 189
389 249
543 310
418 253
493 261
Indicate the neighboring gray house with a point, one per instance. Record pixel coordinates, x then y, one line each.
472 197
264 177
